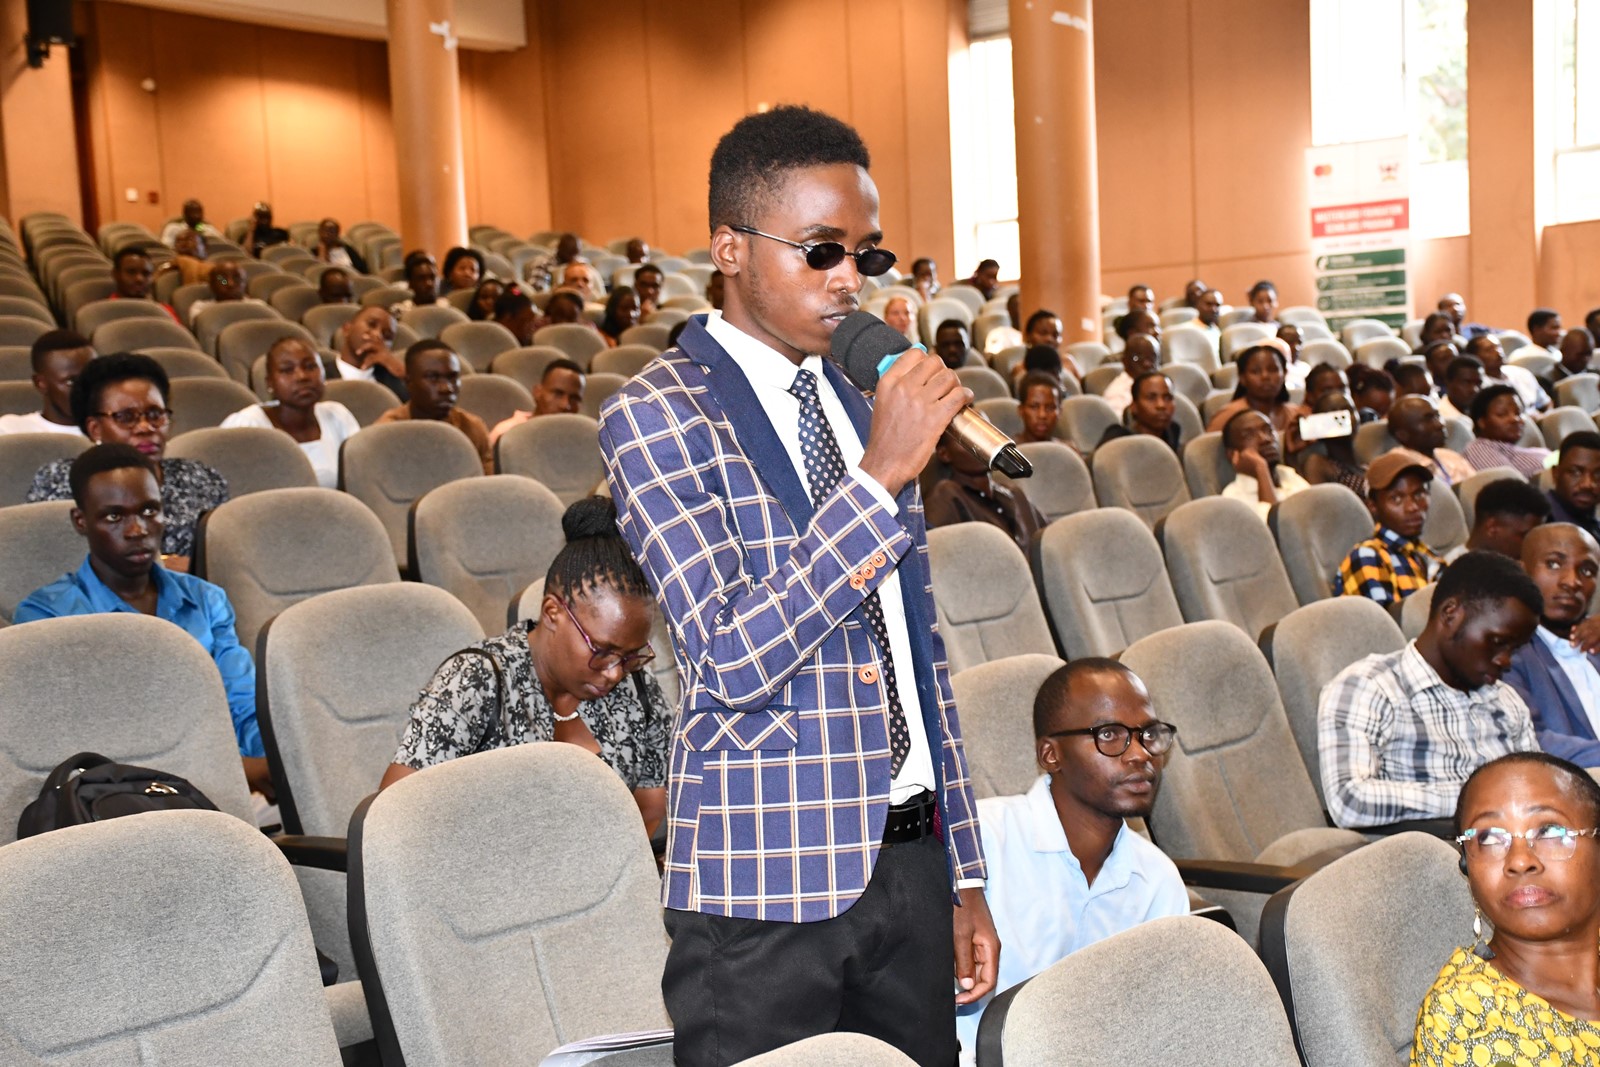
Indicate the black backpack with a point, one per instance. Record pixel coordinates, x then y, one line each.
89 787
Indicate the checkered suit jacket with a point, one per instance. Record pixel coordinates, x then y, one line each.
780 752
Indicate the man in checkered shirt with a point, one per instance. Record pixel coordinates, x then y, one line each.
1398 734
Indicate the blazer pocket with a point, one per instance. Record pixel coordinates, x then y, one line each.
769 730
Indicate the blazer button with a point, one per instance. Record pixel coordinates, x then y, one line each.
857 582
868 674
880 561
869 572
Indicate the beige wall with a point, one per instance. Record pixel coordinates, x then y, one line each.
40 160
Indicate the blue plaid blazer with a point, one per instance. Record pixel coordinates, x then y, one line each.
779 776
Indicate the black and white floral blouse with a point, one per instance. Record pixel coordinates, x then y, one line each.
461 702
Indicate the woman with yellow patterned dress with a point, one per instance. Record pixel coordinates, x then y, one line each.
1530 997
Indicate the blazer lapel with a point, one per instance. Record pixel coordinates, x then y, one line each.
744 412
1577 717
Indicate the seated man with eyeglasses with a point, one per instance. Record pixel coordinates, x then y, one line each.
122 399
1398 733
1064 869
573 673
118 512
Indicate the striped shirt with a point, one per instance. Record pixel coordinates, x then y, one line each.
1386 567
1395 742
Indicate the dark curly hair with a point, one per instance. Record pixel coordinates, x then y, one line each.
595 555
753 158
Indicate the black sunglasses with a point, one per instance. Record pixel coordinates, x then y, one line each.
826 255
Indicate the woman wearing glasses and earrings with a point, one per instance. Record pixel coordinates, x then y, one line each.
573 673
122 399
1526 825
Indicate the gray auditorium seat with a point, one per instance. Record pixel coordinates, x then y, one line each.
1224 566
1083 421
1104 583
1557 423
1372 440
18 398
478 343
251 458
41 546
985 384
389 466
22 454
366 400
493 397
599 388
1315 529
1467 489
1003 413
1355 947
187 883
1310 645
653 334
1234 788
1446 527
526 365
832 1050
560 451
1414 611
201 403
336 676
626 360
1060 484
983 591
326 320
186 363
484 540
172 711
277 547
1205 465
577 341
503 904
1214 1001
240 344
130 335
995 700
1139 473
430 320
23 329
97 313
210 322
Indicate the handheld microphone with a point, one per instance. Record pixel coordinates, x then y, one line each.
865 346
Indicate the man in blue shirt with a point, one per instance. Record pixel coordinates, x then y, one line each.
1559 681
1064 869
118 511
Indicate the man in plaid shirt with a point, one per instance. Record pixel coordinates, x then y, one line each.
1392 563
1398 734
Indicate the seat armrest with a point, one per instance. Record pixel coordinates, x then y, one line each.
1263 878
1444 829
322 853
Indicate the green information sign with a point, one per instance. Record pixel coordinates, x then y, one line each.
1356 299
1382 257
1372 279
1339 322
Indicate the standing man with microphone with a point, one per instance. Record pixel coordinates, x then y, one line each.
821 823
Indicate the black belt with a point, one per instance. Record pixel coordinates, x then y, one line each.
912 820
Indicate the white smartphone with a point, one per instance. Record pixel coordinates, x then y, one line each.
1327 424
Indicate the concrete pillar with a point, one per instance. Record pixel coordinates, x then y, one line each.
1058 192
425 97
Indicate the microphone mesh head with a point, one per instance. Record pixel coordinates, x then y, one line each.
859 344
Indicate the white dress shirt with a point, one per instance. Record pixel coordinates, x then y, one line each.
1529 391
1579 671
34 422
1246 488
1119 393
333 419
350 370
771 375
1044 908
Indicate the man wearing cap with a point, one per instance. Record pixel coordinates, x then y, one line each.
1392 563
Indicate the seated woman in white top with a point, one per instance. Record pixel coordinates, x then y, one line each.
318 426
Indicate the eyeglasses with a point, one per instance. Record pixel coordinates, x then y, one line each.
128 418
1113 738
826 255
605 661
1549 842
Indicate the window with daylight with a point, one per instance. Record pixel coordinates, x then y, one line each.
1382 68
1576 110
984 159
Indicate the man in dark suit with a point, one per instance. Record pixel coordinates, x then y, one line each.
1558 680
820 818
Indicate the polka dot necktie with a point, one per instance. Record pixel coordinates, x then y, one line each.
824 469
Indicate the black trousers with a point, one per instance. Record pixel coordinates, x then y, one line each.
736 988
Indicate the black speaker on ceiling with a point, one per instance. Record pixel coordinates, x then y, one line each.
49 22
